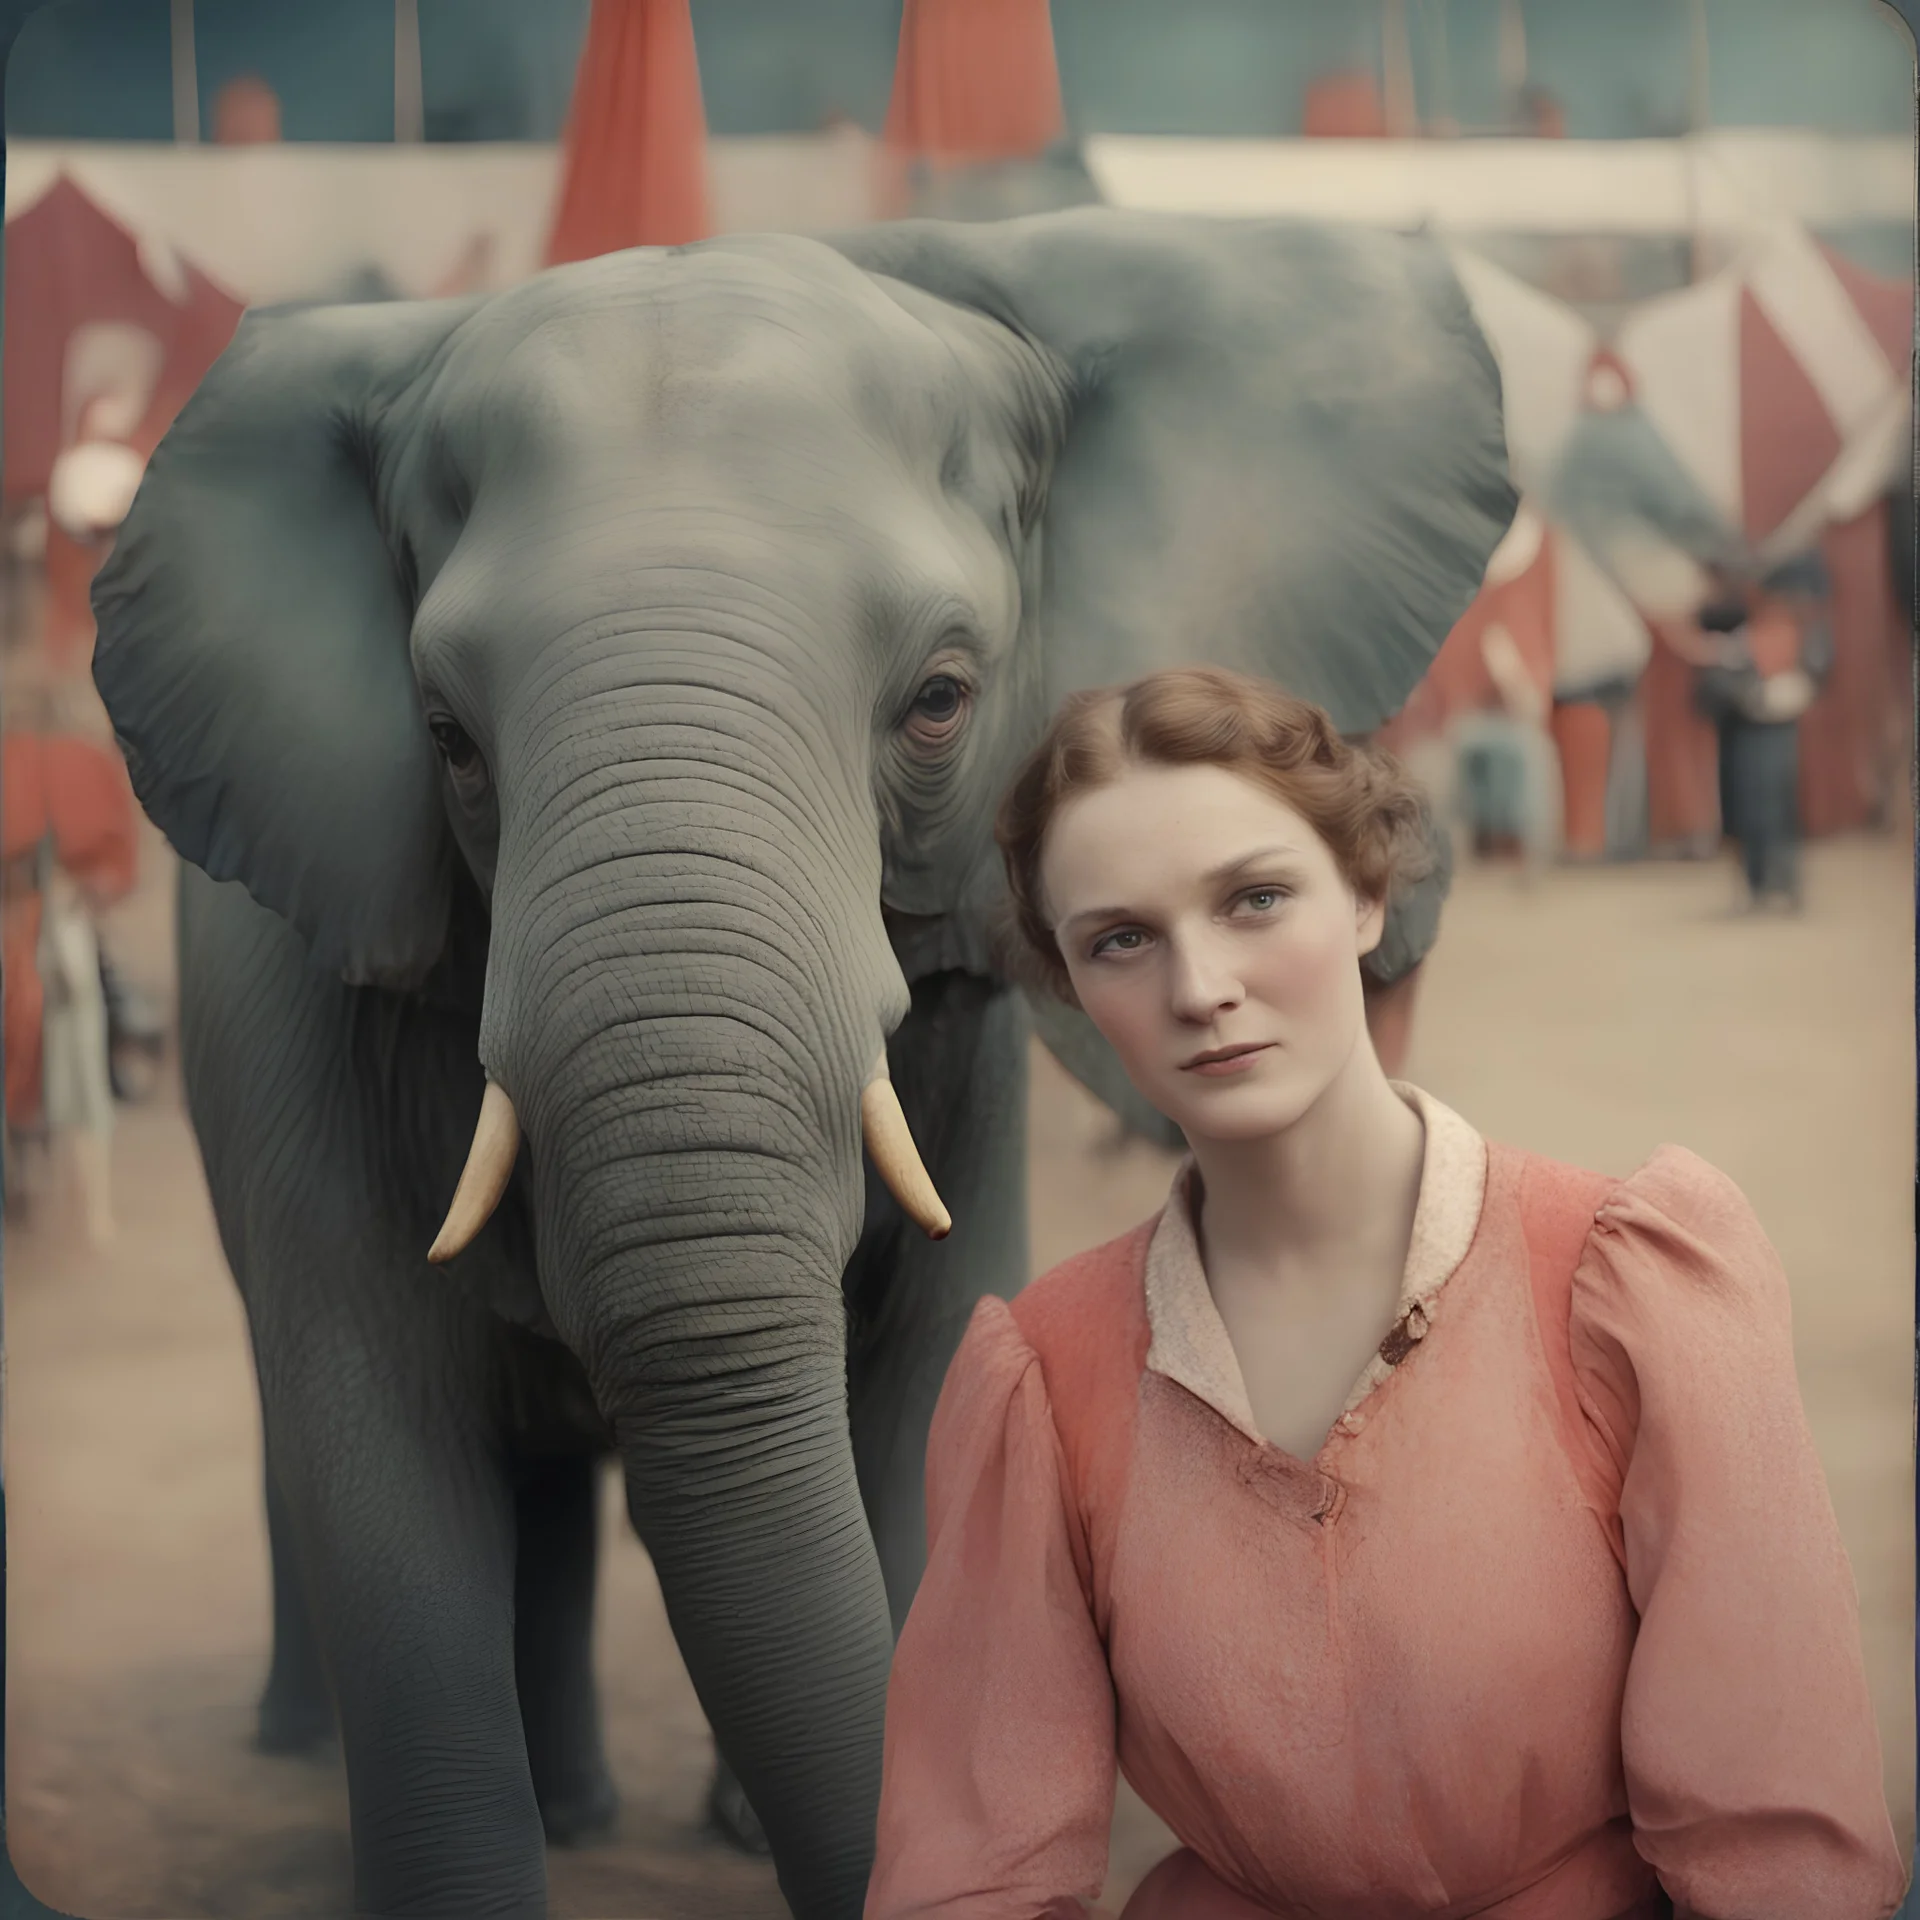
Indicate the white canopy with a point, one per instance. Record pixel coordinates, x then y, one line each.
1717 181
297 220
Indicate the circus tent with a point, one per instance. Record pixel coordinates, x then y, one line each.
1758 412
98 316
107 333
1781 382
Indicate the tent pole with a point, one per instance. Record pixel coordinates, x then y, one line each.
186 81
1396 62
1699 119
1513 60
409 106
1699 95
1441 54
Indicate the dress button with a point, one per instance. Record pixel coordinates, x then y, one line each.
1416 1323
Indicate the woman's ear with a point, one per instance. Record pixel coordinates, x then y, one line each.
1369 922
253 638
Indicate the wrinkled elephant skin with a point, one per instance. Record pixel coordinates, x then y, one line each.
603 689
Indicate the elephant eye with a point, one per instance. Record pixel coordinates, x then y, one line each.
455 743
937 710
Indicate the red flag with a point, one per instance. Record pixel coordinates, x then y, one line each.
974 80
635 167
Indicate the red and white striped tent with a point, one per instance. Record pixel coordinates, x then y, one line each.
1778 390
1781 382
107 333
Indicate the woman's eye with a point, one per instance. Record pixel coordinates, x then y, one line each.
1127 940
455 743
1263 899
937 709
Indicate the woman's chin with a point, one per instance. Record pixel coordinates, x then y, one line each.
1236 1113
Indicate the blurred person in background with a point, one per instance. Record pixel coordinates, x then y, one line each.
1761 653
246 113
1542 114
1509 768
70 851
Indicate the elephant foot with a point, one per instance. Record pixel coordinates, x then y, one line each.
293 1726
577 1819
727 1808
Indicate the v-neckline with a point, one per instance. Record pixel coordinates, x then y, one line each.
1188 1340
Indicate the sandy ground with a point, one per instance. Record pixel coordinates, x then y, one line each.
1591 1017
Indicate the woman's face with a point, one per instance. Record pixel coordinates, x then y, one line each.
1200 916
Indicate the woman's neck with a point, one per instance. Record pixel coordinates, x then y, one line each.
1339 1184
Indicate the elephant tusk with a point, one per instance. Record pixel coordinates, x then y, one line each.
896 1159
496 1145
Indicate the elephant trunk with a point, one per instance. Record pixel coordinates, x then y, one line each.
687 988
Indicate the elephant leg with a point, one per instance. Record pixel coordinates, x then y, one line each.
732 1814
962 1078
381 1400
409 1537
378 1398
557 1522
296 1706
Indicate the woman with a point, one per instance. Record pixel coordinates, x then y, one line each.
1425 1527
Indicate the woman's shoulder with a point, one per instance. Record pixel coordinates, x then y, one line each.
1673 1185
1671 1236
1090 1297
1647 1285
1082 1324
1677 1224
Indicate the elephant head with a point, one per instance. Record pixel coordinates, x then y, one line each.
698 602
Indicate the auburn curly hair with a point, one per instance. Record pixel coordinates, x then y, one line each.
1371 813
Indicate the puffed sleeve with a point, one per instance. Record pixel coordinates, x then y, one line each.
1752 1762
997 1786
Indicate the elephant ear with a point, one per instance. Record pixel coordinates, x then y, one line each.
1284 450
253 639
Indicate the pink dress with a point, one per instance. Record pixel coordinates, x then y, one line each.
1556 1625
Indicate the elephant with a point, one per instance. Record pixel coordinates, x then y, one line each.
580 712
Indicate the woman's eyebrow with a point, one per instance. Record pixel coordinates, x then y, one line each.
1094 913
1259 857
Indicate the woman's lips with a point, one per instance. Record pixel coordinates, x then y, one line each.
1227 1060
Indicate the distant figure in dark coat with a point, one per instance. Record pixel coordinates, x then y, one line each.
1764 652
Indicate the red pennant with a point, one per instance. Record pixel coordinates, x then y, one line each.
635 168
974 80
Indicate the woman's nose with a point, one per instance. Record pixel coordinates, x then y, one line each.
1202 984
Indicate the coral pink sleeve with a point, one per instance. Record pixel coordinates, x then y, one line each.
996 1795
1752 1762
